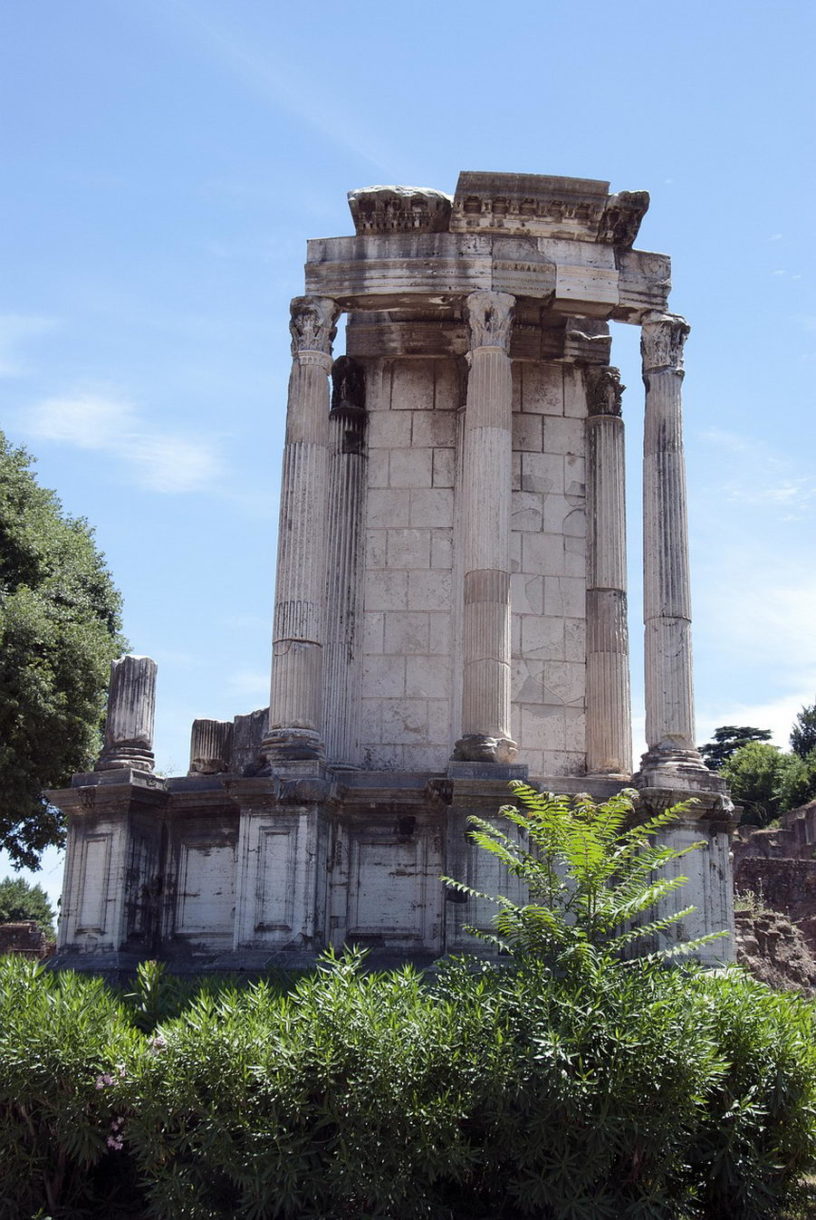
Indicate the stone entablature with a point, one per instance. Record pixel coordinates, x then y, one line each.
578 209
395 270
451 604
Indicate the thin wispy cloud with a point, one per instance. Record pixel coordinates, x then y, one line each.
156 460
763 477
17 330
280 83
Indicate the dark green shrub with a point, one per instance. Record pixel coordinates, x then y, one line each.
639 1092
594 1096
62 1041
757 1139
341 1099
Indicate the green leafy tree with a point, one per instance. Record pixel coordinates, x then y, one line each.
754 774
803 733
59 631
727 739
20 901
797 783
592 875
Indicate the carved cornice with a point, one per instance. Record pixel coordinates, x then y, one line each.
399 209
604 391
490 317
313 324
621 218
544 206
661 342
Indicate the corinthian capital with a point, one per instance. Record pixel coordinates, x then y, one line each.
604 390
661 342
313 324
490 316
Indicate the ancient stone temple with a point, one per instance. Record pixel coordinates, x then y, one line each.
450 605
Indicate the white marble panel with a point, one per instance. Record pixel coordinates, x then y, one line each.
386 590
387 889
543 555
409 548
543 389
434 429
432 507
525 512
388 430
405 721
542 472
373 631
444 467
565 596
383 676
95 883
427 677
206 900
274 895
406 632
527 432
411 468
429 590
388 507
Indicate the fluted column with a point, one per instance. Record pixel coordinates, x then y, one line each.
666 589
210 746
347 480
295 706
128 741
609 712
486 491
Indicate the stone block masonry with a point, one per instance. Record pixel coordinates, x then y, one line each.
450 607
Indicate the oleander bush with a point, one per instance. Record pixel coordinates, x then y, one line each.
559 1082
63 1040
481 1092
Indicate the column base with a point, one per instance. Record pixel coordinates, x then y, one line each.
133 758
283 745
480 747
680 769
610 773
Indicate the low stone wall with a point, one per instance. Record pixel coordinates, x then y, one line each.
23 938
775 950
793 839
784 885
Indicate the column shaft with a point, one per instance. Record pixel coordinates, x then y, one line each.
609 713
666 586
486 491
295 707
347 483
128 741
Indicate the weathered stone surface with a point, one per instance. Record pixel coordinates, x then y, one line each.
296 700
485 533
247 734
24 939
399 209
574 208
775 951
210 746
128 741
609 712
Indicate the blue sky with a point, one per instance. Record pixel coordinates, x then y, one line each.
165 161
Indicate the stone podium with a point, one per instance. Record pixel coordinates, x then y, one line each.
451 607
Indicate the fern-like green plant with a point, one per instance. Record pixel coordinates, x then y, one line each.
592 874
